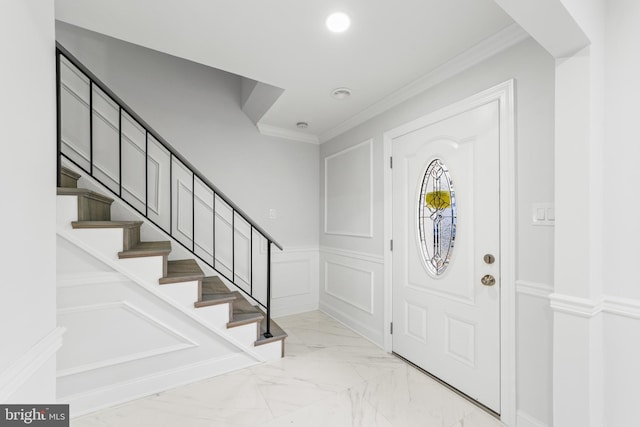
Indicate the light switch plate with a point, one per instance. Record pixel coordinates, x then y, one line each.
543 214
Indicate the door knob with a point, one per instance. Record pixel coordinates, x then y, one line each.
488 280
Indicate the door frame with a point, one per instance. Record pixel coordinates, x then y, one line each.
504 93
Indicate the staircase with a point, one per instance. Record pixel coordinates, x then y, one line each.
94 213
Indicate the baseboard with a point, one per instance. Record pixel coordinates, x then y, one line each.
361 329
526 420
28 365
101 398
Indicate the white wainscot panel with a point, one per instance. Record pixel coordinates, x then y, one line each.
352 290
295 281
348 191
349 284
107 334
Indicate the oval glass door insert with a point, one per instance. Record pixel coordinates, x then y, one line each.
437 217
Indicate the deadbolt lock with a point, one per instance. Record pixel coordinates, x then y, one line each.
489 259
488 280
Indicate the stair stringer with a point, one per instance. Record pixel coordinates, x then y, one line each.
180 295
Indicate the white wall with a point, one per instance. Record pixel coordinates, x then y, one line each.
197 109
621 342
362 256
27 174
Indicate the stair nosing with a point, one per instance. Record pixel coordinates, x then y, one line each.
141 253
83 192
106 224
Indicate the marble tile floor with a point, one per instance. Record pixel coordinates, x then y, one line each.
330 377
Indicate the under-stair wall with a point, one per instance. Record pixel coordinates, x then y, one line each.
136 325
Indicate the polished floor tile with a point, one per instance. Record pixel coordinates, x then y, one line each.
331 376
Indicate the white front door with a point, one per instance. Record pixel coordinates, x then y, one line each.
446 238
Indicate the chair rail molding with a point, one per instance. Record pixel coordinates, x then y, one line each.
588 308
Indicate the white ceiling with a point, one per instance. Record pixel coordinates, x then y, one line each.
285 43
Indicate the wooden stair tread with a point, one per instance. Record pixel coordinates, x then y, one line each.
69 178
66 191
243 312
145 249
213 291
106 224
275 329
184 270
70 173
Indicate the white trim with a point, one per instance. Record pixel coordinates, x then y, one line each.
369 235
292 135
509 36
569 304
540 290
588 308
624 307
504 93
29 364
88 279
363 256
188 342
526 420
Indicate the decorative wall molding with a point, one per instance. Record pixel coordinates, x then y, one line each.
588 308
295 288
328 207
363 256
89 279
141 314
29 364
526 420
534 289
125 391
343 298
292 135
510 36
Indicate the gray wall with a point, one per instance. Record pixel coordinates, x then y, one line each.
197 110
533 69
27 177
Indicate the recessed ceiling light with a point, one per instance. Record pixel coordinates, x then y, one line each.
302 125
338 22
341 93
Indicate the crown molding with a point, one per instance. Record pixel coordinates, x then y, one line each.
289 134
504 39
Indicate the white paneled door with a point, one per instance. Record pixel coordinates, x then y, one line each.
446 251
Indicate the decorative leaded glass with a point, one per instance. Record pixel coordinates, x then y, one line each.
437 217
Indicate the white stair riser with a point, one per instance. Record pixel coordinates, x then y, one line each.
66 210
183 294
245 333
107 241
148 269
215 316
271 351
